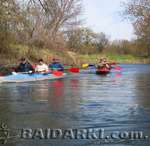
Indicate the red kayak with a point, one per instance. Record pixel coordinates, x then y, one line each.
102 71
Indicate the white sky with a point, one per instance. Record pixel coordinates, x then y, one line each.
104 16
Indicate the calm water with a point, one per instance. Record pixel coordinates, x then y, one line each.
119 101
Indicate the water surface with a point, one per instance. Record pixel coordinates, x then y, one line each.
118 101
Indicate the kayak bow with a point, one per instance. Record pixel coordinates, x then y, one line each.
103 71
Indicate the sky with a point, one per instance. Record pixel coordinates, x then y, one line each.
104 16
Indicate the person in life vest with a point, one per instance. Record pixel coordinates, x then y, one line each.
42 67
24 66
103 64
56 65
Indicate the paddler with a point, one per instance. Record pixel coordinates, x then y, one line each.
103 64
24 66
56 65
42 67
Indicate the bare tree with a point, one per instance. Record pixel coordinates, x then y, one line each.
9 19
139 13
57 14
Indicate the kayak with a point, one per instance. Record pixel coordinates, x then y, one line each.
16 78
103 71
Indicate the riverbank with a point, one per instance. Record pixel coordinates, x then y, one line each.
33 54
67 57
122 59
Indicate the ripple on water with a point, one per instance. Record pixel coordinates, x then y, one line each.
114 102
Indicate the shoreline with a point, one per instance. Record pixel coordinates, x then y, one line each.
67 57
120 59
76 61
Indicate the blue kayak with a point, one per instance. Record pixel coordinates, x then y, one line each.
29 77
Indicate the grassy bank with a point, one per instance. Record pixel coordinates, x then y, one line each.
33 54
129 59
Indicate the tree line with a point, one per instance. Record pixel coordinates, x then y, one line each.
37 22
56 24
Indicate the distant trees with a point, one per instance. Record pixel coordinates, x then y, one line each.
139 13
84 40
101 42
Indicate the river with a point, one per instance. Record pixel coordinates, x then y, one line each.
119 101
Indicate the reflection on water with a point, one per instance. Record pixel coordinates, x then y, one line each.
119 101
143 91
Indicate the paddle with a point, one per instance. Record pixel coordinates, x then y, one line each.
118 68
57 73
74 70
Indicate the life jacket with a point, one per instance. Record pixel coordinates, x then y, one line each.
56 66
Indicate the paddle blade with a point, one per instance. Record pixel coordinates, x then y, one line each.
118 68
57 73
118 75
74 70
